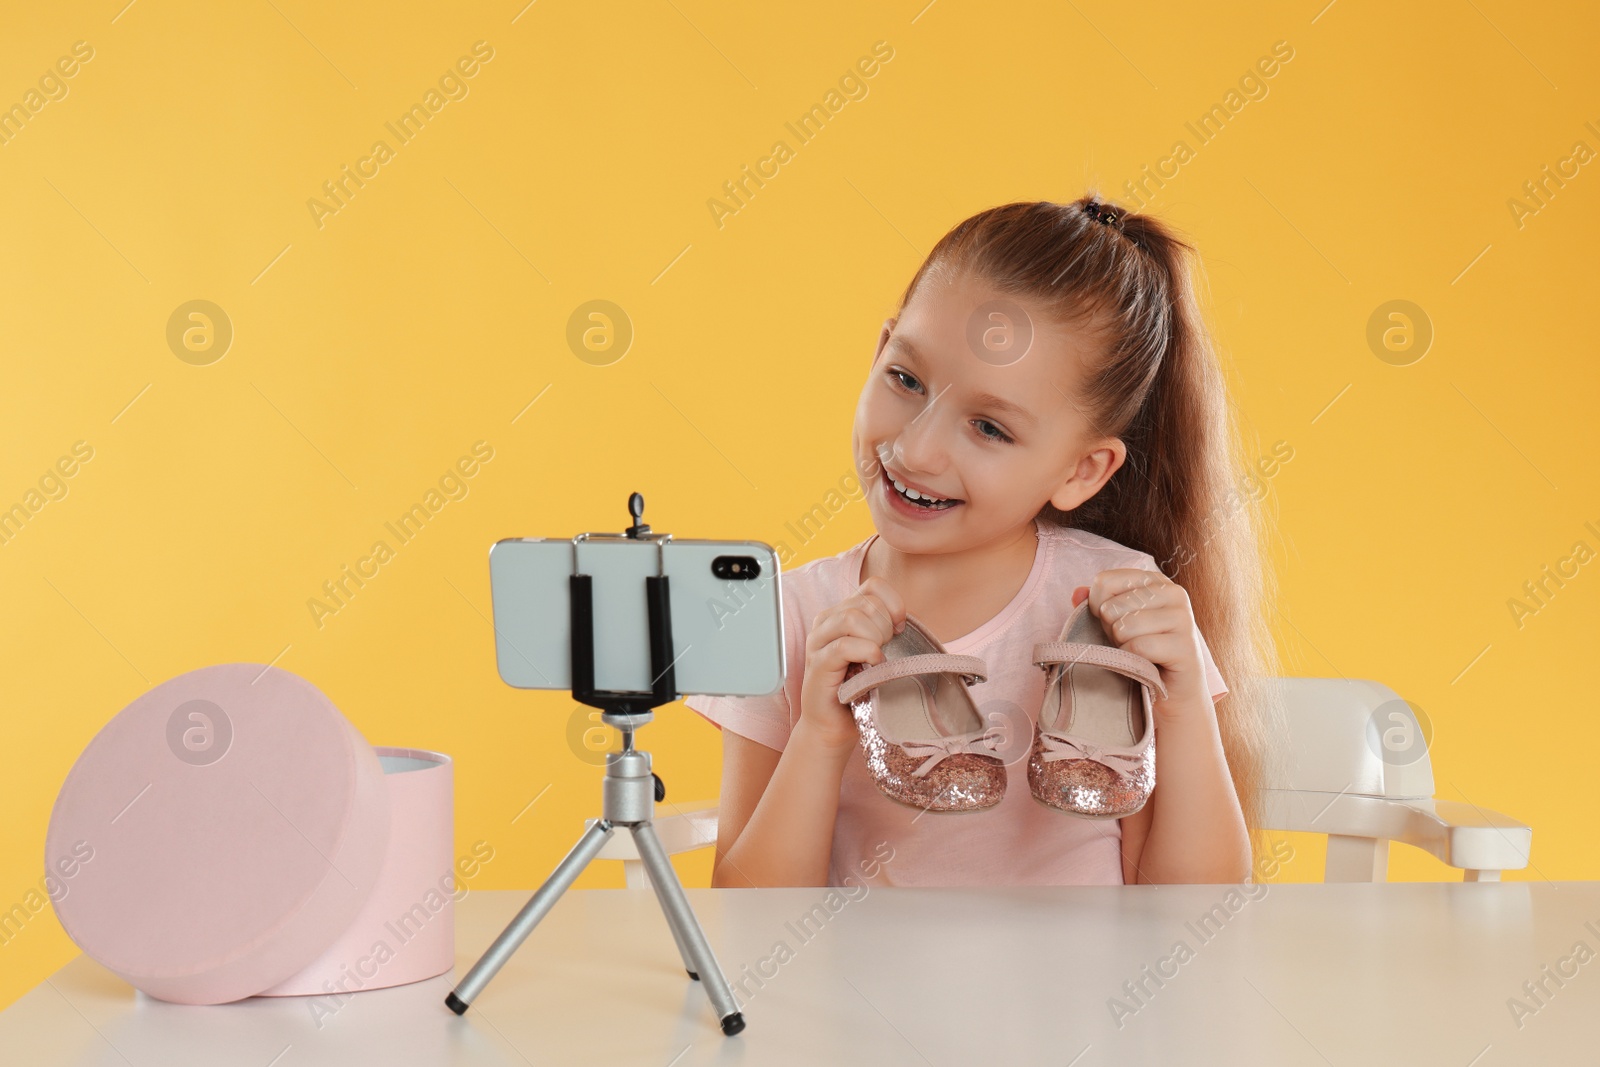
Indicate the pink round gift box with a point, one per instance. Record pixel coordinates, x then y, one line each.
229 830
406 931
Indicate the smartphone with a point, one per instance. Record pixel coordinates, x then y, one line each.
724 600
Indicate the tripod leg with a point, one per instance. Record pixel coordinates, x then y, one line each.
677 935
686 928
495 957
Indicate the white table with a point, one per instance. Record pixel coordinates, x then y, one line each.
1403 973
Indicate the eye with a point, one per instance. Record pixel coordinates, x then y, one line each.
898 376
998 435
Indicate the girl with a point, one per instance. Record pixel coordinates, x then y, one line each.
1049 375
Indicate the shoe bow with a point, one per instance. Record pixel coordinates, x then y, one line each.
1061 746
982 743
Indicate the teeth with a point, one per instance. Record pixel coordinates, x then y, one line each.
914 495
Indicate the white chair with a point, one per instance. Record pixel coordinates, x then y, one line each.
1354 768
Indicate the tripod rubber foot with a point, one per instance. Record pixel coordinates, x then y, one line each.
691 974
733 1023
455 1003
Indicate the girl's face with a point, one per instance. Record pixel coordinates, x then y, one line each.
972 399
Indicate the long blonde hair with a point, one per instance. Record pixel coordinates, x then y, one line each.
1159 387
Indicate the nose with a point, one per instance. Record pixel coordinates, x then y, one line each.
919 448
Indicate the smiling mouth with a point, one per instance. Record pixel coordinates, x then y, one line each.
918 501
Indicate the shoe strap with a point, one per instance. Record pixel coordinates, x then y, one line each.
1065 746
984 742
970 668
1126 663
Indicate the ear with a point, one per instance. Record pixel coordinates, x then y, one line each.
1093 470
883 338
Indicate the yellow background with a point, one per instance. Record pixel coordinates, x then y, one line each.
430 311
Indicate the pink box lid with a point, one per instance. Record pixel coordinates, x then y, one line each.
218 834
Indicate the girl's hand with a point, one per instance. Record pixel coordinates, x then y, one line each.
852 631
1149 614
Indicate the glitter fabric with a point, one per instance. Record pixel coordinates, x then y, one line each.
1076 776
1094 691
962 776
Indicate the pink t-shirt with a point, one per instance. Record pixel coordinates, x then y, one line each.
1019 841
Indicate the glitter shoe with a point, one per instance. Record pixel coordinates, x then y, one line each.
1094 749
926 744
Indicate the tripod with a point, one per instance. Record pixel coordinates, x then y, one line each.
628 795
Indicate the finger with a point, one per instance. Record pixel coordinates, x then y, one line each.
1079 595
882 616
870 617
864 616
856 617
873 614
839 654
1118 581
827 628
1168 651
1146 622
1140 601
892 600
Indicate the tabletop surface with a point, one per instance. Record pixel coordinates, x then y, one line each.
1476 974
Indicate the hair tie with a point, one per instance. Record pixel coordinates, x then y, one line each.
1099 213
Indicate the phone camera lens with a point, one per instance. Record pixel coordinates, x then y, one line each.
736 568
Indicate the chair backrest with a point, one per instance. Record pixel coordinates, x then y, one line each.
1351 736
